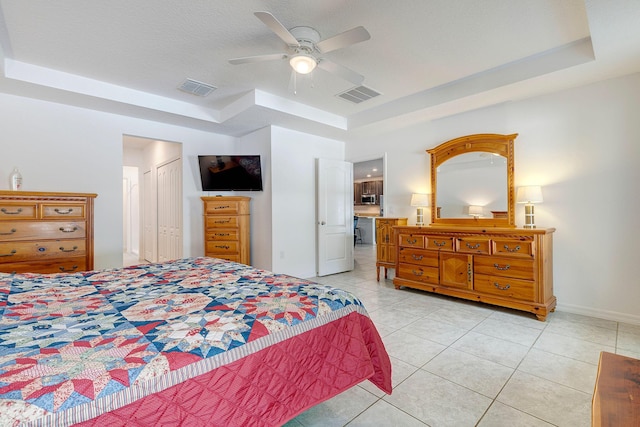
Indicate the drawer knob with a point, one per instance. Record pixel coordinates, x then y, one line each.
68 250
417 257
10 253
502 288
515 249
6 212
435 242
504 268
13 230
68 230
470 246
61 212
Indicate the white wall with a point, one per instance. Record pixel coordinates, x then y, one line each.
583 146
293 179
62 148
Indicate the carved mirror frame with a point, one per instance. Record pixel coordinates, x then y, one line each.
489 143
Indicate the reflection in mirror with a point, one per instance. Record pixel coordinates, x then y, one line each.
472 179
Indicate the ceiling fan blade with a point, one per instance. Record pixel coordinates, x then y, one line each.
352 36
341 71
258 58
275 26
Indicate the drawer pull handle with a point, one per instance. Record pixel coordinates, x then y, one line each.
435 242
412 242
9 254
417 257
68 230
506 267
64 270
222 246
516 249
68 250
417 272
502 288
222 221
61 212
470 246
222 207
222 234
6 212
13 230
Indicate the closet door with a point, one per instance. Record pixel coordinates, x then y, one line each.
170 211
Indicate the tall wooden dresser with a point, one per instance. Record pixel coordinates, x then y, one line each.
227 228
509 267
46 232
386 244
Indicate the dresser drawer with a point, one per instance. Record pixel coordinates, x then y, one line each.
70 265
412 240
418 257
63 211
221 222
441 243
504 267
11 211
507 287
470 245
23 251
43 230
221 247
418 273
223 234
513 248
222 207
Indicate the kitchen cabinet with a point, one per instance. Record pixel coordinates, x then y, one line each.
367 187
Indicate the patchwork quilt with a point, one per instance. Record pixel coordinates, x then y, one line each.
199 340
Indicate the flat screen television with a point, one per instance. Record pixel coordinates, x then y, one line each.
230 173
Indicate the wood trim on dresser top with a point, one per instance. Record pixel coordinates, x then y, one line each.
508 267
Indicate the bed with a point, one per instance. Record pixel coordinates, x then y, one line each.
197 341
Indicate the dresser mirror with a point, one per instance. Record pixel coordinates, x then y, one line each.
472 181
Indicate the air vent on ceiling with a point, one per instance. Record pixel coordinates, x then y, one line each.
358 94
196 88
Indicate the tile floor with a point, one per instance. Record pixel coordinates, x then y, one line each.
458 363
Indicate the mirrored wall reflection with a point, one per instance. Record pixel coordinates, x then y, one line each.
472 184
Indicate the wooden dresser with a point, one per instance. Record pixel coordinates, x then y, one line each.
42 232
386 244
227 228
509 267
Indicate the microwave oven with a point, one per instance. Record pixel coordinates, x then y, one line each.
368 199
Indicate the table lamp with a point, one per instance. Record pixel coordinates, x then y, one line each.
529 195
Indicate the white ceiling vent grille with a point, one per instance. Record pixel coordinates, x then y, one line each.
196 88
359 94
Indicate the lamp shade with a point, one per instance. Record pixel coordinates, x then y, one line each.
419 200
529 194
475 210
303 64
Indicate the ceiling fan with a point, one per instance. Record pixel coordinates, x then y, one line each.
305 48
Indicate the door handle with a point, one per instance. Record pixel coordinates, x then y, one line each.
322 223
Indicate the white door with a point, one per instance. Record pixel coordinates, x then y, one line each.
148 219
170 211
334 216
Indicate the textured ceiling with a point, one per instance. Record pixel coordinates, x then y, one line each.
427 58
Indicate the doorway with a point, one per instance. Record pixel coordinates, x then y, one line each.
152 200
369 201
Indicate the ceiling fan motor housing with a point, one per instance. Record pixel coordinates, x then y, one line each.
307 38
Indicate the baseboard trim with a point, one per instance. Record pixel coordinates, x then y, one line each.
600 314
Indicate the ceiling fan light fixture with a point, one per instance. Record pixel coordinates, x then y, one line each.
302 63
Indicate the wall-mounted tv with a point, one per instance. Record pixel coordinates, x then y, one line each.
230 172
